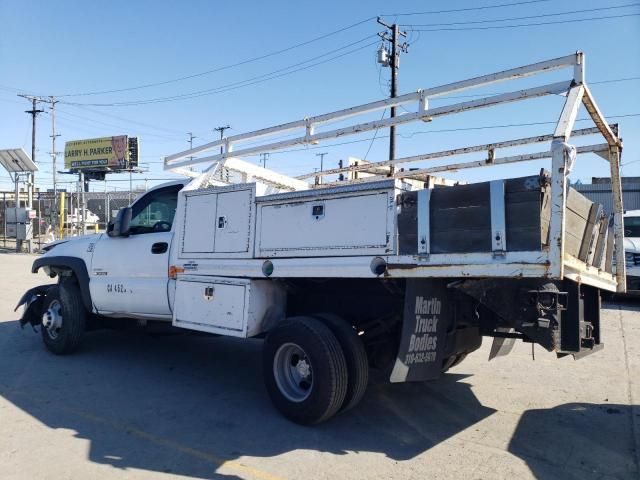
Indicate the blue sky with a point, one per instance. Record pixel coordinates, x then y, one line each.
68 47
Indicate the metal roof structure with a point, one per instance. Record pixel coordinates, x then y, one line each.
16 160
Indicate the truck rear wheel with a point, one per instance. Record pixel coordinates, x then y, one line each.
305 370
355 356
63 318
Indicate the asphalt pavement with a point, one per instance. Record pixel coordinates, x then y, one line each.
155 405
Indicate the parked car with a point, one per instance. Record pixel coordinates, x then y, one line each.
632 248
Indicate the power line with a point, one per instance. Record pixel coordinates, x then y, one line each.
116 117
375 134
112 125
252 81
240 84
72 127
445 130
225 67
556 14
289 48
509 125
423 132
467 9
573 20
474 95
172 132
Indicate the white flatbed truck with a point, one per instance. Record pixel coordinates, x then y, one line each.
387 269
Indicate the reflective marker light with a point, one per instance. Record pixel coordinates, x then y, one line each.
267 268
378 266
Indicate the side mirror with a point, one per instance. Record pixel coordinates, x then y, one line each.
120 226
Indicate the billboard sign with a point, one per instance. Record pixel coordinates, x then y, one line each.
104 153
133 152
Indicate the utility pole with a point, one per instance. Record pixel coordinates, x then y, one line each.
34 113
31 177
191 137
263 158
54 155
221 130
321 155
392 61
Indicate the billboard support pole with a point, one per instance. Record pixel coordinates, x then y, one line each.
61 218
106 206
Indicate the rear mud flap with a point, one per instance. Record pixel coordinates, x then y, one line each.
427 316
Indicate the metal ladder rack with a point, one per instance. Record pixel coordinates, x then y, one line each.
561 153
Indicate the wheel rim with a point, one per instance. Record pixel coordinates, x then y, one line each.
293 373
52 319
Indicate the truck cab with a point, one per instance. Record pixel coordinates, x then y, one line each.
129 271
126 273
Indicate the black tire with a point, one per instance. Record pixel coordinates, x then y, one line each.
327 381
65 339
355 356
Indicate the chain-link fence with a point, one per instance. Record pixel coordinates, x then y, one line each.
48 225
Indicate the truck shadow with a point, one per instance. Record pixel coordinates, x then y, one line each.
578 441
188 404
627 303
194 405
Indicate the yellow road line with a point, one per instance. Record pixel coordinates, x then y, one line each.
164 442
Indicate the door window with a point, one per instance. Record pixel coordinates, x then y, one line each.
155 211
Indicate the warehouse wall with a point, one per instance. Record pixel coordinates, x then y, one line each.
601 193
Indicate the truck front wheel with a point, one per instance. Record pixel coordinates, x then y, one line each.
305 370
63 318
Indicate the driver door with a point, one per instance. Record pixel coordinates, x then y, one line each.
129 275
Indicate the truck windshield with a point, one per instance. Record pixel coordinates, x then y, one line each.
632 226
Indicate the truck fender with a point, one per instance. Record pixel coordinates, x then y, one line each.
32 300
76 265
